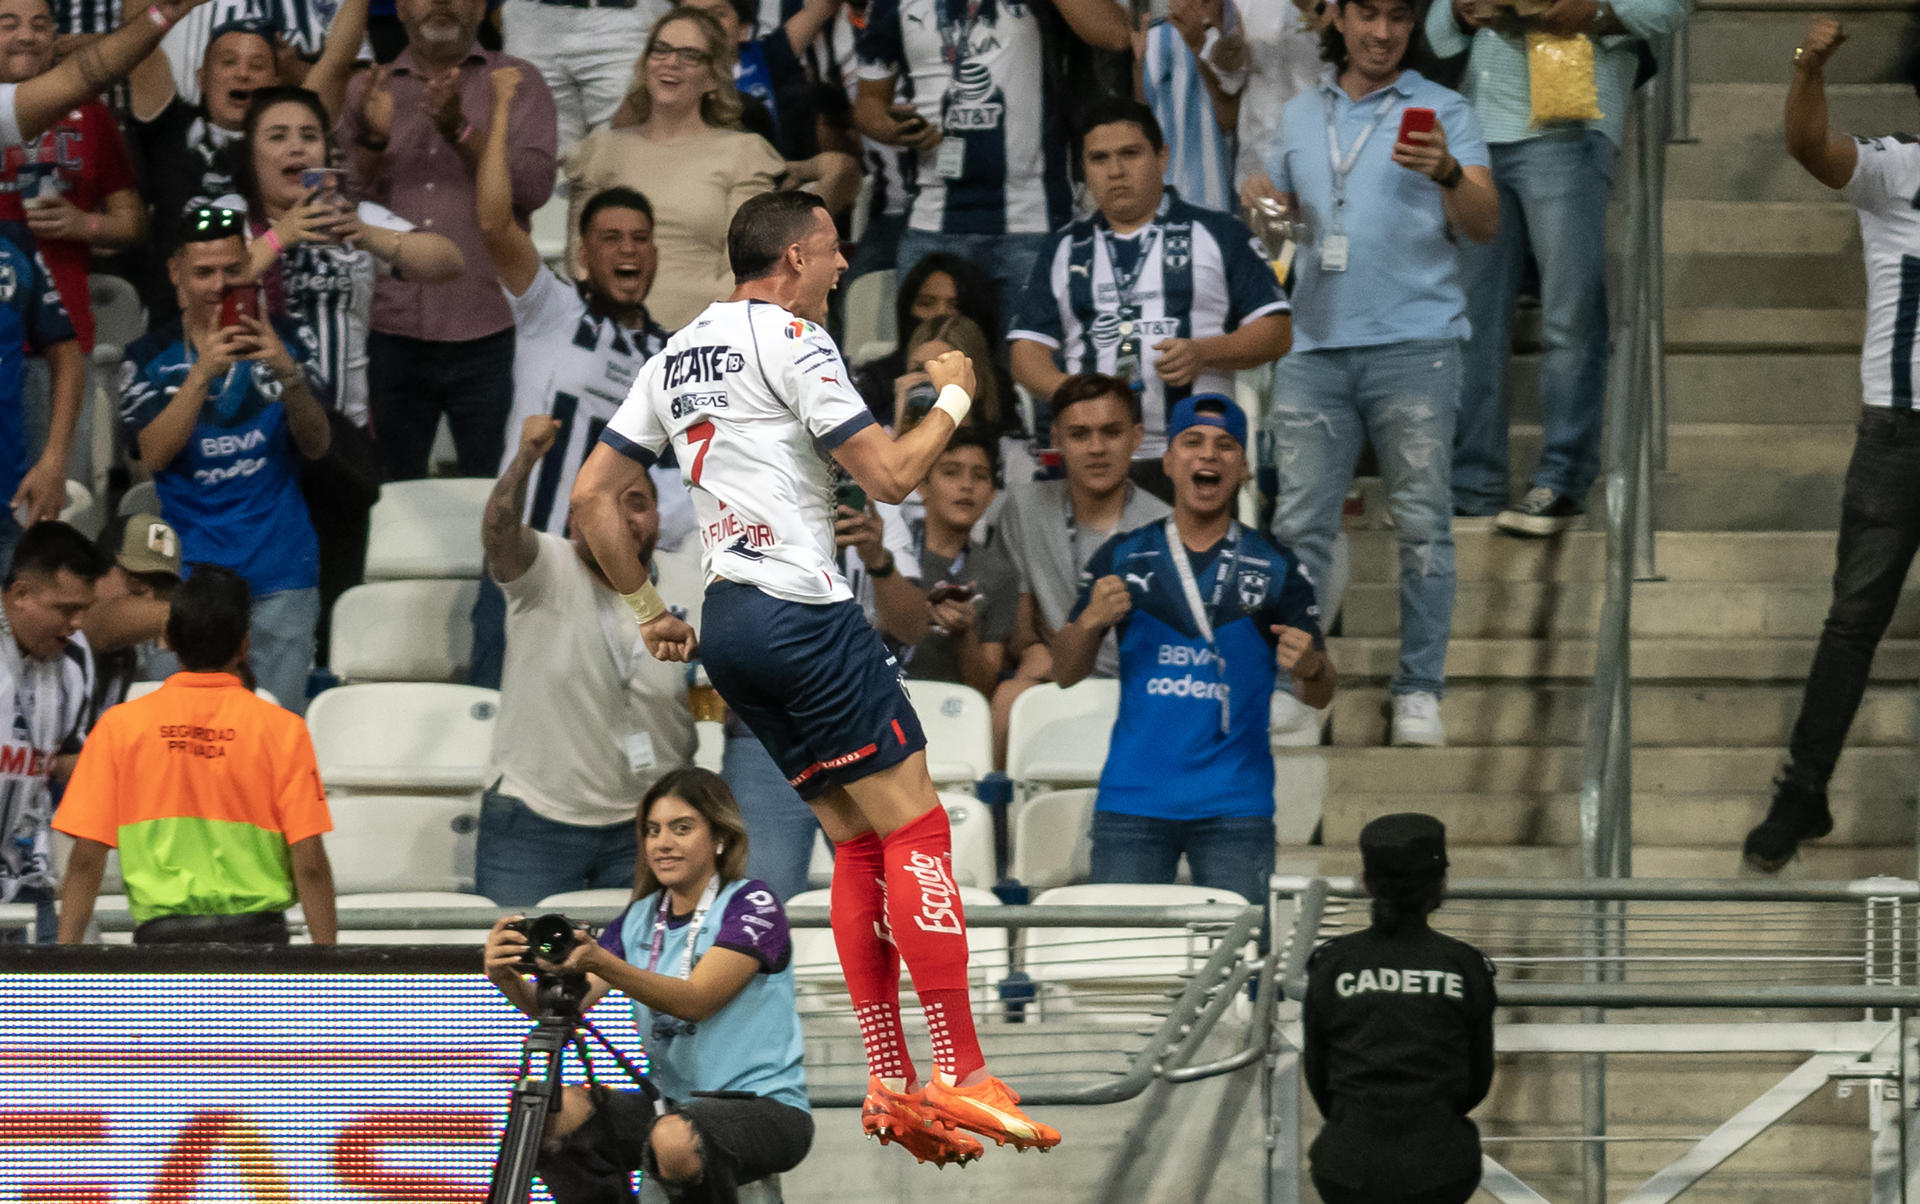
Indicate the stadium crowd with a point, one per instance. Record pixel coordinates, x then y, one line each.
326 212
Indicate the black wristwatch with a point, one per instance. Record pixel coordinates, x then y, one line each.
884 571
1452 179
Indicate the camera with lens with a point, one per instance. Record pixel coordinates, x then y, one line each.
550 938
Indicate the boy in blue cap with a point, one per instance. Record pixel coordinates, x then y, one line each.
1208 611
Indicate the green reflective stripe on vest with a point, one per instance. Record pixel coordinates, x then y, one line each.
203 867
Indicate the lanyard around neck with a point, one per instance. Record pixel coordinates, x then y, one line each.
660 915
1342 165
1229 567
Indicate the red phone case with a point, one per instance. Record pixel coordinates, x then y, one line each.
1412 120
238 300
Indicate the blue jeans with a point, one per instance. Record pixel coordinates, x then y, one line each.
1007 259
780 825
489 616
1553 198
1402 396
1228 853
522 857
281 640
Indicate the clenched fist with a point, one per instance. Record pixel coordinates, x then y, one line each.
1108 603
1295 649
1824 36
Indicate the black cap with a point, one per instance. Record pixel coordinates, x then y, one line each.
1407 845
257 26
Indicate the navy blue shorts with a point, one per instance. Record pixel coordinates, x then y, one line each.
814 682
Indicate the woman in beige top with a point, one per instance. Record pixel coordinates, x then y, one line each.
683 147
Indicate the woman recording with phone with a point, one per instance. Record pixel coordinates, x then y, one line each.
314 255
704 954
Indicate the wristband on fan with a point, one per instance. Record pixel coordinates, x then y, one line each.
272 239
953 400
158 18
645 603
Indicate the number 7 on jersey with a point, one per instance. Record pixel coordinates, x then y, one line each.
700 436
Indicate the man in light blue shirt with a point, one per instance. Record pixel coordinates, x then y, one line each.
1379 318
1553 184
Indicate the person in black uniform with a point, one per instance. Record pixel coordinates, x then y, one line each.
1399 1035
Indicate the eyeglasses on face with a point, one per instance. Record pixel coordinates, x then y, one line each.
686 56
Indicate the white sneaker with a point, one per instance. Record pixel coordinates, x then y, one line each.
1294 724
1416 721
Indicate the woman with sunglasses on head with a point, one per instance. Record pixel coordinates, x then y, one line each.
704 954
678 139
315 254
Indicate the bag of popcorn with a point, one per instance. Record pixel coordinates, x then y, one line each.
1561 70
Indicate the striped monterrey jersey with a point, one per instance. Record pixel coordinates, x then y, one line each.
753 401
47 707
576 363
1097 298
1886 190
973 69
1200 154
1170 759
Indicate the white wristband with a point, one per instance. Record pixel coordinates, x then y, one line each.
953 400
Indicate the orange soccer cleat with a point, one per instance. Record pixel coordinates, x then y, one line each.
989 1108
903 1118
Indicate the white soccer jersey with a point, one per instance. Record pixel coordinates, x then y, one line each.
577 366
45 705
753 400
973 69
1886 190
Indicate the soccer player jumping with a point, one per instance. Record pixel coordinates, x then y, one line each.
754 399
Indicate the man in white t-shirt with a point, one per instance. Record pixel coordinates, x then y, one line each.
756 402
1880 506
588 720
46 696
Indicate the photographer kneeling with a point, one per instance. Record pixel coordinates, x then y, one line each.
704 953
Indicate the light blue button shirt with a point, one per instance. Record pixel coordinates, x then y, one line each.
1500 86
1402 278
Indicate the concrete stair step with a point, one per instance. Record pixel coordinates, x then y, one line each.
1825 229
1659 820
1801 448
1816 862
1724 111
1739 500
1787 1148
1531 714
1661 609
1722 166
1727 328
1412 774
1664 660
1719 556
1784 387
1655 1089
1757 279
1753 43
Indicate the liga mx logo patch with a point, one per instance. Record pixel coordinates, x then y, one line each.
799 328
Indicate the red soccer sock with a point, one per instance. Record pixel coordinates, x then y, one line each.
930 930
868 958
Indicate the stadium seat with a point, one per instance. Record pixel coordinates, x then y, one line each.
476 914
958 721
419 630
618 896
816 961
407 737
1049 838
118 316
972 825
428 528
550 233
142 498
1059 737
385 842
868 314
1097 959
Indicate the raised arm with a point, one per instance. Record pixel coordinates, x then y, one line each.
328 76
1828 156
508 542
515 259
95 67
1099 23
603 478
889 469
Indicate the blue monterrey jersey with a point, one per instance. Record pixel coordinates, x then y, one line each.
31 316
233 492
1169 759
753 1043
973 68
1202 276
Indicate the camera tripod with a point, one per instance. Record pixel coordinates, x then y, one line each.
536 1089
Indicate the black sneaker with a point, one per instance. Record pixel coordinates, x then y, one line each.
1541 513
1798 813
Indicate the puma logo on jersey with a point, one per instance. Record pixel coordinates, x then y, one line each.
1143 580
829 380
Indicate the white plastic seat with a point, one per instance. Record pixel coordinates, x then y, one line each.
141 498
473 916
403 736
1108 957
972 824
1059 737
428 528
816 961
405 842
958 721
118 316
1050 838
867 316
550 233
420 630
618 896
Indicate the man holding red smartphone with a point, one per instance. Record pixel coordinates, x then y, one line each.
223 404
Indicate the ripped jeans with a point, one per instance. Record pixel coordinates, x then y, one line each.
1327 405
